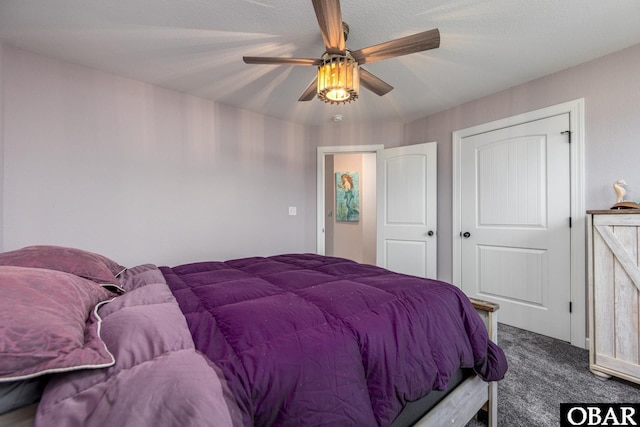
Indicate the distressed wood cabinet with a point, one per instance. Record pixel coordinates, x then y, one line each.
614 293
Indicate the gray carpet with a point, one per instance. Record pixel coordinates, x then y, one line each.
544 372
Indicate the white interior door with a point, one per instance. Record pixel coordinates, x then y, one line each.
515 223
407 209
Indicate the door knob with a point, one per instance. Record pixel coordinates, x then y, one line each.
466 234
430 233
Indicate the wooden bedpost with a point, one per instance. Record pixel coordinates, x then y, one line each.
488 311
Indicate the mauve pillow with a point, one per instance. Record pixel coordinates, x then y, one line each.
140 275
82 263
49 323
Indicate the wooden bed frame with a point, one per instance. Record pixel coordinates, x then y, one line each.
21 417
455 410
473 395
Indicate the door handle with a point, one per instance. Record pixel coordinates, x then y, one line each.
430 233
466 234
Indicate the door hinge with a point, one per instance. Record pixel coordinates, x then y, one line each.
570 222
568 132
570 307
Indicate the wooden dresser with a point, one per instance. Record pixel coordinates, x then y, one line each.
613 239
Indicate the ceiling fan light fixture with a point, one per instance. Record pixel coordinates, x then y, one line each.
338 79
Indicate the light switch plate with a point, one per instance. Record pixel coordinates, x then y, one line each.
292 210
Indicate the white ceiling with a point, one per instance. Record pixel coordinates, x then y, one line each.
196 46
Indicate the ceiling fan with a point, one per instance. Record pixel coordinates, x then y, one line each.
339 72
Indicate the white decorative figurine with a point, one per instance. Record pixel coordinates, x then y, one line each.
618 186
619 189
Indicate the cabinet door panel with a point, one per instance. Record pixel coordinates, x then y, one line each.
615 290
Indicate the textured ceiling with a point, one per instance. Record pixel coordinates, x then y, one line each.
196 46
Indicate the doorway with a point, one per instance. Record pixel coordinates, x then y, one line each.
519 233
350 216
349 158
405 238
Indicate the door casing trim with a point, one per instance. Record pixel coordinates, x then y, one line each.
575 109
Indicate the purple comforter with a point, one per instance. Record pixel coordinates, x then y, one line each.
311 340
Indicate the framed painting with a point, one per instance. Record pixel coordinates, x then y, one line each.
347 196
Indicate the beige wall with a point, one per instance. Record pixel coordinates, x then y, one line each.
1 148
609 86
130 169
370 217
611 91
145 174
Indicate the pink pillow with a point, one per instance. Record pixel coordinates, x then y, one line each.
82 263
49 323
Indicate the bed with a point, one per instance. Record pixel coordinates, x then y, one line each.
292 339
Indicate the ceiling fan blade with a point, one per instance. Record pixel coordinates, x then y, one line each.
310 92
373 83
279 61
330 22
403 46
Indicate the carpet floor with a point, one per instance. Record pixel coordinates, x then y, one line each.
544 372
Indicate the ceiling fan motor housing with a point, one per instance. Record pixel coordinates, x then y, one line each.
345 30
